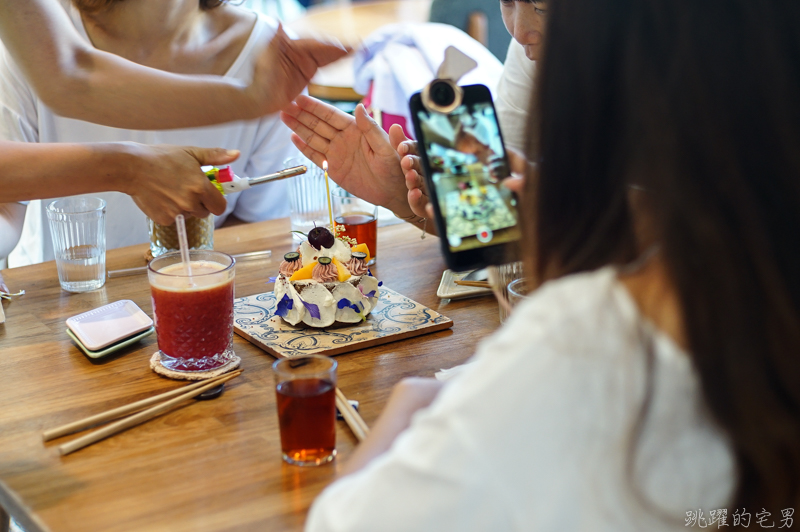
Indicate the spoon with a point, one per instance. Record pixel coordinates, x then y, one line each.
213 393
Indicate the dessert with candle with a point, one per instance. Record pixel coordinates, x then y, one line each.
325 281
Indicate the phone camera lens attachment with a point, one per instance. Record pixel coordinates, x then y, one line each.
442 96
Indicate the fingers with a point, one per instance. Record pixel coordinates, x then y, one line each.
411 163
210 199
517 162
374 134
214 156
322 52
417 201
515 184
308 136
310 153
396 136
329 114
408 147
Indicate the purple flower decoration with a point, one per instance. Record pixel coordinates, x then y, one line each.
380 283
312 309
284 306
343 303
272 279
372 294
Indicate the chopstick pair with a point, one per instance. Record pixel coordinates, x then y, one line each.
351 416
476 284
187 392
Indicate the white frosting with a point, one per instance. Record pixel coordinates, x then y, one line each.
352 294
340 251
316 294
327 302
298 310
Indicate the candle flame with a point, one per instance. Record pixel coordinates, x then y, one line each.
325 165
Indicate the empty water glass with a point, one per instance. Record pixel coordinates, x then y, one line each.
307 197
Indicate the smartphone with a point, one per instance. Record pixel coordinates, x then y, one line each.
465 162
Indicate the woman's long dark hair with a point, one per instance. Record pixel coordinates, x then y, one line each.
697 101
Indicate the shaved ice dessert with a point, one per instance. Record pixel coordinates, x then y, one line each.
325 282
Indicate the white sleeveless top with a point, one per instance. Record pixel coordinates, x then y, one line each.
264 143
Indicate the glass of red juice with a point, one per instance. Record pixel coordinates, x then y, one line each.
193 314
359 219
305 389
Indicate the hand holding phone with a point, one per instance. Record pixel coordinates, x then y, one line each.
462 153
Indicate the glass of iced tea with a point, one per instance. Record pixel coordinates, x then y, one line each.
359 218
305 389
193 314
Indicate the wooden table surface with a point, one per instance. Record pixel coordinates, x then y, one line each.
206 465
351 24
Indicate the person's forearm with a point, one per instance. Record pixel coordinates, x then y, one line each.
408 396
77 81
37 171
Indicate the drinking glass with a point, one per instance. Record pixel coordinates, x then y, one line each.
164 238
518 290
305 389
307 198
193 315
359 219
78 226
500 277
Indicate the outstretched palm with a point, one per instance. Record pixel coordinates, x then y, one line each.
360 157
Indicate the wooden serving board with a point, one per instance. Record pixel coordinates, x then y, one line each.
395 317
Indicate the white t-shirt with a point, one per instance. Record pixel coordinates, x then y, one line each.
535 434
264 145
514 96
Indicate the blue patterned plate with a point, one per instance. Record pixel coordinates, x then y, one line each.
395 317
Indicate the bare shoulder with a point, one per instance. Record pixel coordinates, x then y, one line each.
233 23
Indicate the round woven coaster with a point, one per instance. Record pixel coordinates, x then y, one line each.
155 365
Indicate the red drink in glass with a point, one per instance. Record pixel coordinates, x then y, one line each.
193 315
306 413
363 227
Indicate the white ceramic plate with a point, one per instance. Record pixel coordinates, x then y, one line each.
448 289
108 324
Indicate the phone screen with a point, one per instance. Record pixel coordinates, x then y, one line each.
466 162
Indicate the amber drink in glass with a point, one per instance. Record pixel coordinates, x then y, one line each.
305 392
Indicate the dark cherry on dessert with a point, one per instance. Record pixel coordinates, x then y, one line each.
321 237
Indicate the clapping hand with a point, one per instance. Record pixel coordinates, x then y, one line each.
285 68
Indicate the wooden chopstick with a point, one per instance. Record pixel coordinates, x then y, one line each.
85 423
141 417
351 417
476 284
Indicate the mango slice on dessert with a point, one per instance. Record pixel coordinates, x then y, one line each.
304 272
344 273
363 249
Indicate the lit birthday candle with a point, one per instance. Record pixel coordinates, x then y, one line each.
328 195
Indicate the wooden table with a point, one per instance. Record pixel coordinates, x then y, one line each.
211 465
351 24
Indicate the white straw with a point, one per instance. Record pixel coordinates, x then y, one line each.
180 224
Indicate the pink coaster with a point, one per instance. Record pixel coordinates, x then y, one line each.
155 365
